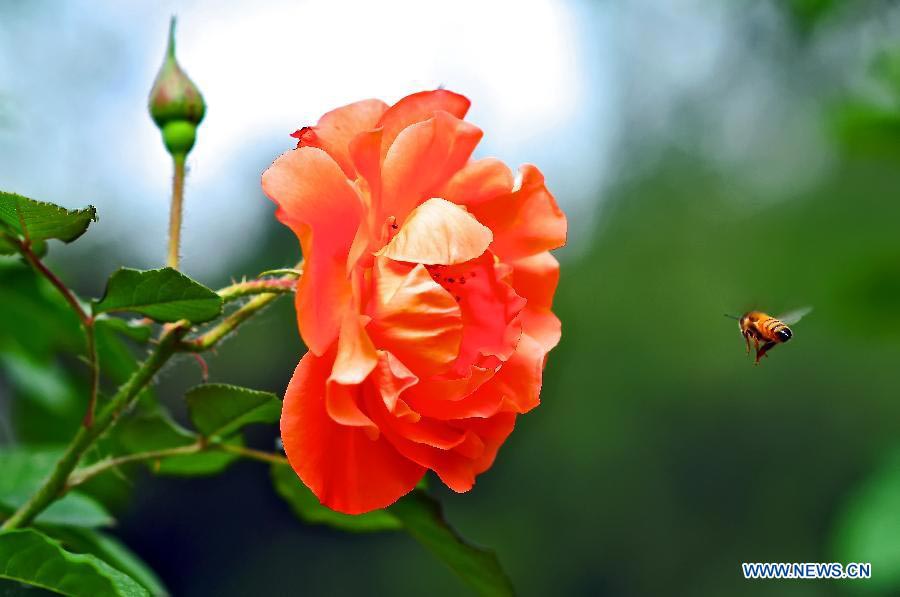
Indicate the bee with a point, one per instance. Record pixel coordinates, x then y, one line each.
767 330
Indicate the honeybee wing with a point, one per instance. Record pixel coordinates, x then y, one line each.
792 317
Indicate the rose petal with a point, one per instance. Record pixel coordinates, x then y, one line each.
342 403
356 358
525 222
426 396
454 469
492 432
356 355
345 469
490 309
337 128
424 156
518 381
315 200
392 378
438 233
413 317
536 278
477 404
365 153
418 107
477 182
515 387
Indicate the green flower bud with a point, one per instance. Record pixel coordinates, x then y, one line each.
176 104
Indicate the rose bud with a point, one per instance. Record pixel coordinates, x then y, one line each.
176 105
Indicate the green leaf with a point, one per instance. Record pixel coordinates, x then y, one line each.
156 431
307 507
42 220
868 530
117 362
113 552
32 558
43 381
7 246
161 294
39 247
422 518
136 330
222 409
23 472
34 314
46 398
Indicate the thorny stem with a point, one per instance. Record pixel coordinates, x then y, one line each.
84 474
175 211
25 248
247 288
251 453
214 335
87 321
94 364
266 291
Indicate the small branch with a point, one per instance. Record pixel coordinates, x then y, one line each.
175 211
251 453
294 272
94 365
84 474
215 334
87 321
35 261
247 288
266 292
87 473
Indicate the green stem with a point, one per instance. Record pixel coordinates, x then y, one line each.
247 288
251 453
266 292
54 486
175 211
86 320
35 261
94 364
84 474
215 334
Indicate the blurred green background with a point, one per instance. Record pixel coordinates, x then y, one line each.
712 157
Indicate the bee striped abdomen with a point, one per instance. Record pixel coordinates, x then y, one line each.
775 330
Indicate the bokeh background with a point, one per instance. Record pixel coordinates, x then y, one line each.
711 156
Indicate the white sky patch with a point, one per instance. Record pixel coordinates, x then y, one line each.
283 65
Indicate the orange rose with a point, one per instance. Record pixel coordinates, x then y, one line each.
425 300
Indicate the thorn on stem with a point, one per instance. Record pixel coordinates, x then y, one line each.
204 368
